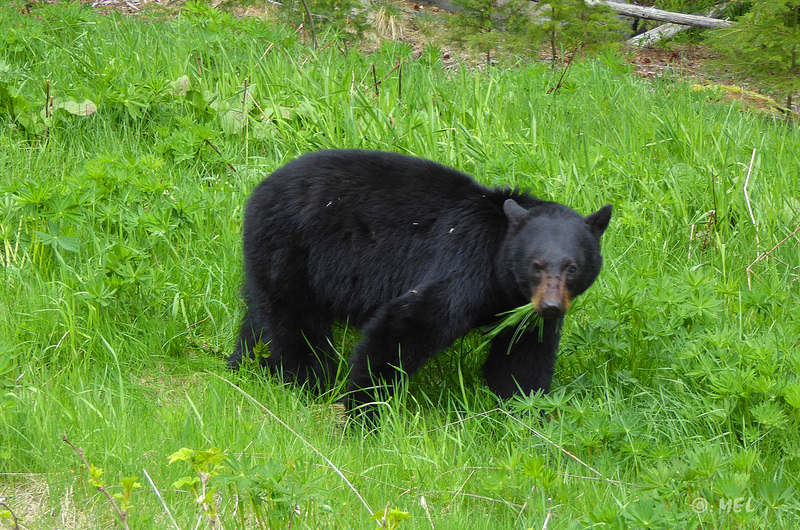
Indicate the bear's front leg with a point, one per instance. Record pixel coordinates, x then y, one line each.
527 364
402 335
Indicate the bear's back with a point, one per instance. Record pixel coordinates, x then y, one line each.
372 180
372 225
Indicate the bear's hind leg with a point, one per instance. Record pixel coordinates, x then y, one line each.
298 344
301 349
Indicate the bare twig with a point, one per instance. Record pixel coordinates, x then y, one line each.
399 81
535 432
214 147
549 513
546 439
385 515
122 514
15 523
554 90
269 49
299 437
750 210
479 497
208 506
48 109
311 23
161 499
768 254
746 195
424 504
198 322
377 83
461 487
705 235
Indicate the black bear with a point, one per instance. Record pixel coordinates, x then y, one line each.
413 253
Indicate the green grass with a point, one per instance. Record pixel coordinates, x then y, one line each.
677 382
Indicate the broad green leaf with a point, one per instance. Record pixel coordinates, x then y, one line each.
189 482
181 454
181 86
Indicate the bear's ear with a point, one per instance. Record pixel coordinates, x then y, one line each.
514 212
598 221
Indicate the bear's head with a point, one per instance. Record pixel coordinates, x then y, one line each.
554 253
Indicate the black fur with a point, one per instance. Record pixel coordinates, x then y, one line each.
413 253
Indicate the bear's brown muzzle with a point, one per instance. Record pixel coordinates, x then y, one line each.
551 298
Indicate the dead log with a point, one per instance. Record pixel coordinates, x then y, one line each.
657 34
652 13
664 31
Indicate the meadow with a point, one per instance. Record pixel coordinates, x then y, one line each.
128 148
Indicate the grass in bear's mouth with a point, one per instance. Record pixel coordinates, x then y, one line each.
517 320
120 271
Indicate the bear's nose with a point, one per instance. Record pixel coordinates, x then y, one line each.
550 310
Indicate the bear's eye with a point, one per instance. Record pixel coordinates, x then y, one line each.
537 267
572 269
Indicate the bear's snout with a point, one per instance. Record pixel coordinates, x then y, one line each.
551 298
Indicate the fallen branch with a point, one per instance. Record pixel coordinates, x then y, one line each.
655 35
652 13
661 32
